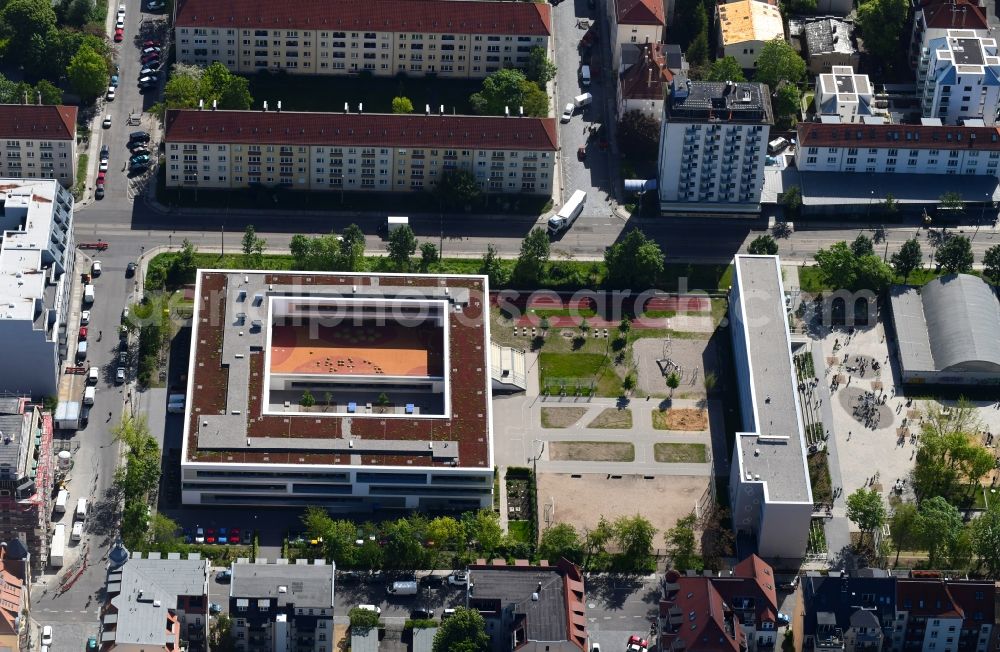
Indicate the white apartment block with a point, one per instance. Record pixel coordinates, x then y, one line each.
958 78
933 18
844 96
891 148
39 142
36 263
357 152
446 38
712 145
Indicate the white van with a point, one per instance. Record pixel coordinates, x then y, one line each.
585 75
61 499
81 351
81 509
88 293
89 394
77 532
583 100
402 588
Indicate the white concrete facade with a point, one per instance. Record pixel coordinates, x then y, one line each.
958 78
37 254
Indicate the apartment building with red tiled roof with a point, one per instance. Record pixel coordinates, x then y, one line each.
39 142
636 22
447 38
737 612
13 601
934 614
357 152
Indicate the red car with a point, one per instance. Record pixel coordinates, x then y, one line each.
83 332
150 44
101 176
234 535
636 644
119 35
210 535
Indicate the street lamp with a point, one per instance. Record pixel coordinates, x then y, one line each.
871 198
982 215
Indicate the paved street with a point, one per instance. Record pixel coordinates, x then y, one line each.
619 606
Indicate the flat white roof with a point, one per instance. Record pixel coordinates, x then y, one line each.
26 223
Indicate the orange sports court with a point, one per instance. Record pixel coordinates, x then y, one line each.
361 350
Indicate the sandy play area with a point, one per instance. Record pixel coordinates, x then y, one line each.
389 349
581 501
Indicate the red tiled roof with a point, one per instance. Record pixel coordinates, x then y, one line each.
640 12
926 598
972 597
437 16
646 79
704 619
953 14
37 121
813 134
371 129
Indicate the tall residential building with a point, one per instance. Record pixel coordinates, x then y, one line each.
398 368
844 96
39 142
635 22
154 604
769 487
848 613
745 26
933 18
898 149
26 476
282 606
446 38
357 152
36 263
958 78
712 145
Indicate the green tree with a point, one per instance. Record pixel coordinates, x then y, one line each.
509 88
493 267
991 264
23 18
539 67
881 24
907 259
890 206
634 536
673 381
404 539
164 532
402 244
352 249
183 265
363 619
445 533
787 102
135 523
903 528
234 94
483 529
530 266
597 539
457 187
88 73
307 400
46 93
955 255
697 53
725 69
840 268
951 201
561 541
779 62
428 255
253 248
635 261
463 631
791 199
639 136
221 634
985 538
142 472
691 20
682 544
763 245
940 528
402 105
862 246
181 92
865 509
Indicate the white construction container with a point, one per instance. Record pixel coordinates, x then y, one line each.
61 498
57 551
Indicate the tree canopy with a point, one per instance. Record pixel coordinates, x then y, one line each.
531 261
190 84
865 509
955 255
862 246
561 541
539 68
881 25
763 245
779 62
725 69
463 631
991 264
634 261
639 136
457 187
682 545
510 88
841 268
402 105
907 259
401 245
88 73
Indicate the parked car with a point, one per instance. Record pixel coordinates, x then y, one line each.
199 535
139 158
120 374
567 113
140 149
210 535
101 176
114 80
102 166
234 535
371 607
47 635
121 11
107 120
99 191
151 43
83 333
458 578
120 23
247 537
136 168
84 317
95 268
148 72
224 576
139 137
151 49
422 614
119 35
105 152
92 643
130 270
155 5
146 58
148 80
214 608
110 95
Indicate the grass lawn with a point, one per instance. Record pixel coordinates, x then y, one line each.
81 177
810 280
315 93
563 312
520 531
677 453
612 418
592 451
579 368
819 477
561 417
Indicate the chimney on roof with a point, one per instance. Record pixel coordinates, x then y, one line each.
201 104
441 109
427 109
361 107
38 97
506 111
279 106
347 108
265 106
215 104
520 110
